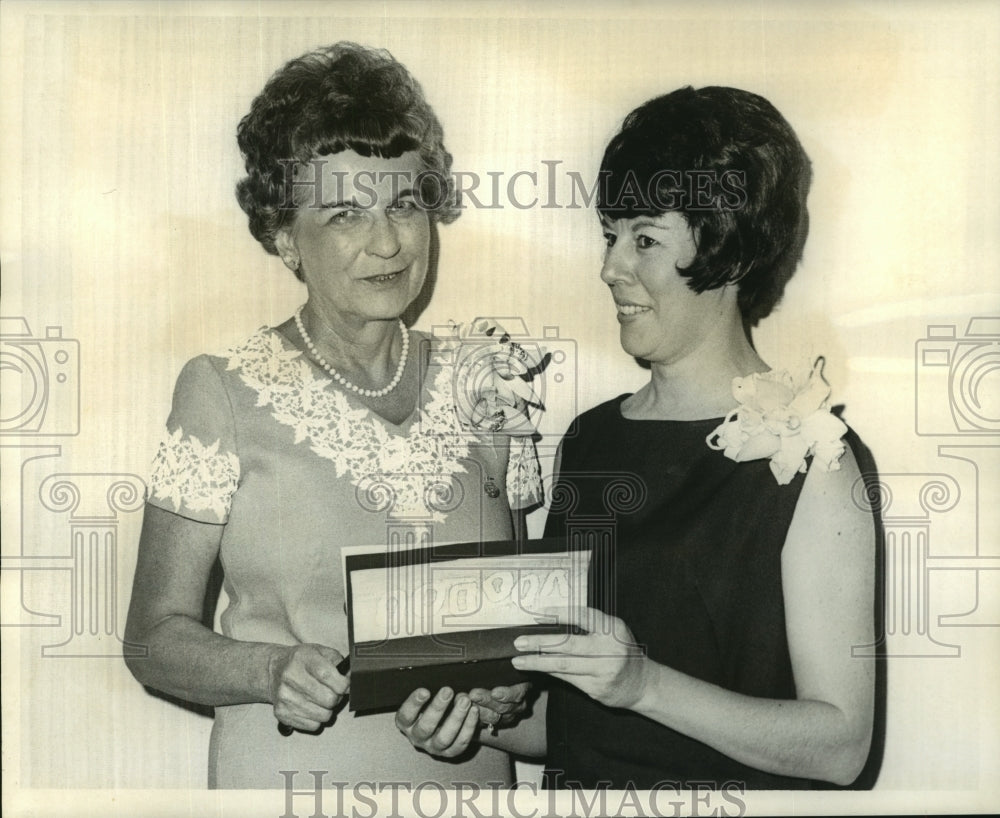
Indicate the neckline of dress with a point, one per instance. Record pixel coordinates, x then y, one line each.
691 422
406 425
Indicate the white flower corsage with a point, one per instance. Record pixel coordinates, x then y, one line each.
783 420
493 380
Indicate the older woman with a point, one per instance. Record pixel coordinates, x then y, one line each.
334 428
726 642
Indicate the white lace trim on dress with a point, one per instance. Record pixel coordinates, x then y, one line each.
187 473
405 474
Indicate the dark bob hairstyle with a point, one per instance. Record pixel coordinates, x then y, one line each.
731 164
336 98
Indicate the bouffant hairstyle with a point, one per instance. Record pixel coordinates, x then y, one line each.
731 164
336 98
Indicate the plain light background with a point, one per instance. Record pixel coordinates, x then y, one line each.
119 225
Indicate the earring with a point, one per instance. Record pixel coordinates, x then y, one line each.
292 264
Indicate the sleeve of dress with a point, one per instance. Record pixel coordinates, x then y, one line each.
524 474
196 469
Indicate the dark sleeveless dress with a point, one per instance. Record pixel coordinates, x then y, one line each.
687 552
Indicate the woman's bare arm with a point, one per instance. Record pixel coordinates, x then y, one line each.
828 566
189 660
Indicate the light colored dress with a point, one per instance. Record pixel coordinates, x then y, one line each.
263 443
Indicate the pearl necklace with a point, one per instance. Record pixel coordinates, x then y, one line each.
368 393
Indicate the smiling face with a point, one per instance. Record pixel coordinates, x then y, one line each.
662 319
361 239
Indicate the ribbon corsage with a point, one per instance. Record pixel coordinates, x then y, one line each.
493 380
784 420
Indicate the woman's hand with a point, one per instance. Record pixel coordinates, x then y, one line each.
605 663
501 706
305 686
439 726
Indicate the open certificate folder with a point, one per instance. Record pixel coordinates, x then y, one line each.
449 614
